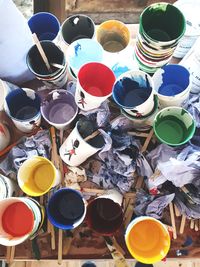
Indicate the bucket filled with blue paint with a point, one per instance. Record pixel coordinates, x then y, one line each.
133 92
172 85
66 209
45 25
81 52
23 107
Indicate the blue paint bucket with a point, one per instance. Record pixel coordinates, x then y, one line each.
172 85
81 52
23 107
66 209
45 25
133 92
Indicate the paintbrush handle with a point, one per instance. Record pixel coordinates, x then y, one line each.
41 51
117 256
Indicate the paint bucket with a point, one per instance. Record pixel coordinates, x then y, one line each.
174 126
161 27
104 213
172 85
8 187
94 85
36 176
190 9
23 107
16 221
74 28
81 52
58 76
191 61
66 209
143 123
163 24
114 36
147 240
45 25
71 75
39 215
133 92
59 108
4 136
75 150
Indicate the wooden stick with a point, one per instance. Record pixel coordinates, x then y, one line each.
55 160
67 243
182 226
146 143
134 133
93 190
60 233
129 212
94 134
118 247
171 209
97 132
140 181
12 254
196 225
53 239
59 66
177 211
41 200
60 236
61 136
54 155
8 252
41 51
192 224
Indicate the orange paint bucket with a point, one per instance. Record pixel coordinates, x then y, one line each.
147 240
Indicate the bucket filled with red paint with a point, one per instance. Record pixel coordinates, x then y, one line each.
104 213
94 85
18 221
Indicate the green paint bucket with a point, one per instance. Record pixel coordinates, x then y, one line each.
163 24
174 126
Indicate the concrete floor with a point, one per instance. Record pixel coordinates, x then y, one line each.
25 6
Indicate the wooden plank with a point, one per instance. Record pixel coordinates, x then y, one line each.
40 6
108 5
128 11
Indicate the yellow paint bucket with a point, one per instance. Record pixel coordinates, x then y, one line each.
147 240
113 35
36 176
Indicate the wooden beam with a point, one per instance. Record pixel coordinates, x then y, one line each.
40 6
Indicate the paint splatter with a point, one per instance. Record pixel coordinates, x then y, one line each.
118 70
77 47
181 252
188 242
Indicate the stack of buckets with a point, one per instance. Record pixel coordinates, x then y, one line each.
161 27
